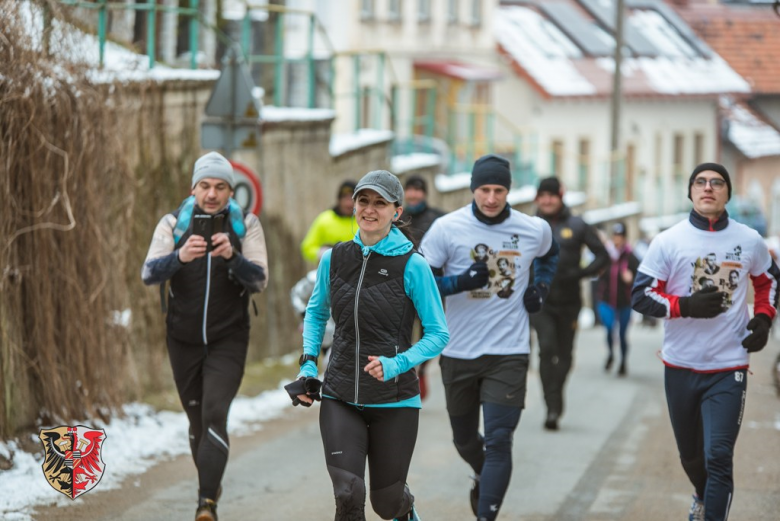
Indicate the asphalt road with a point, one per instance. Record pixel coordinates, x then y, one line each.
613 459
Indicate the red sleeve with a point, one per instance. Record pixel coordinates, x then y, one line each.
673 300
765 288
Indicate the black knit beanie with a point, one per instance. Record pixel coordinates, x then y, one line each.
550 185
715 167
346 188
415 181
490 170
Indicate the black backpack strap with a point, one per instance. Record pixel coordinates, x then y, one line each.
163 305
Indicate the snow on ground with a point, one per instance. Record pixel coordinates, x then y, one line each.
134 443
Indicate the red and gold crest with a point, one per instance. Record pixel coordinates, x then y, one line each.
73 464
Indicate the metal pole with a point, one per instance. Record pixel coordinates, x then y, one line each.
617 87
356 79
412 120
246 29
310 62
279 64
380 89
233 64
102 31
194 25
151 18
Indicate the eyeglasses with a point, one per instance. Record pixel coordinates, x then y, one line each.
715 184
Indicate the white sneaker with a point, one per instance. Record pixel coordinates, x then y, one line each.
696 512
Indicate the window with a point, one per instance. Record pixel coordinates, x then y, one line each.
452 11
476 12
394 10
423 11
678 155
698 148
556 158
678 168
366 10
583 164
630 172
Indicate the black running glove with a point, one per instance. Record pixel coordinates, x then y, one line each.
309 386
475 277
534 296
759 333
705 303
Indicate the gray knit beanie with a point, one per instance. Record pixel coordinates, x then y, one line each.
215 166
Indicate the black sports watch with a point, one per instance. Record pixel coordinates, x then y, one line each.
305 358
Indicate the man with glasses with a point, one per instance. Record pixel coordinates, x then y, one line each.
708 337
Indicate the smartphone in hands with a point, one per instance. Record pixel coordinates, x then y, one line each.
202 225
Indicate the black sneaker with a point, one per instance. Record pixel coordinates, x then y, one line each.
551 423
608 365
207 510
622 370
474 494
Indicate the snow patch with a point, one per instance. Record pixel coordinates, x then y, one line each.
406 162
343 143
134 443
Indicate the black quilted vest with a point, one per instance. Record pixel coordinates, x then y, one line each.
225 309
373 316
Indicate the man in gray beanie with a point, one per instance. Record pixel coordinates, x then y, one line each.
481 256
214 256
212 182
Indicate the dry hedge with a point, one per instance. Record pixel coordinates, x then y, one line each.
74 159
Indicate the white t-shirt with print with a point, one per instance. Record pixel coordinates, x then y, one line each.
688 259
491 320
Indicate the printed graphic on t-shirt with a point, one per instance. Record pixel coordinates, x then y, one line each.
501 270
724 276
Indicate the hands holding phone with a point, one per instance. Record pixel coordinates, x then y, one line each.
197 246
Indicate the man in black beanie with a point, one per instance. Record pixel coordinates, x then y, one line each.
417 213
713 167
556 324
481 255
331 226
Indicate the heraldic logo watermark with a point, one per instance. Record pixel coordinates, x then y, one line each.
73 463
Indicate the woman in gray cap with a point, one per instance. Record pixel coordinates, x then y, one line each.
373 286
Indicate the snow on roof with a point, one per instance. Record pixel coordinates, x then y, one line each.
542 50
280 114
611 213
403 163
560 68
343 143
119 63
752 136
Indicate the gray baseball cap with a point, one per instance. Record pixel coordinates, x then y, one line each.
384 183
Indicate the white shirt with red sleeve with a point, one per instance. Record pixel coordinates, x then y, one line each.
683 259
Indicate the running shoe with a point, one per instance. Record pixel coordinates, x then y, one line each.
409 516
696 512
474 494
207 510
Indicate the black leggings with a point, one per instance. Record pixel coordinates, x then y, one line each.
387 437
207 378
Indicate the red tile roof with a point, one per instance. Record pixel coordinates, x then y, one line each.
747 37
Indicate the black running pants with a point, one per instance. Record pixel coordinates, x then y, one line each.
386 436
